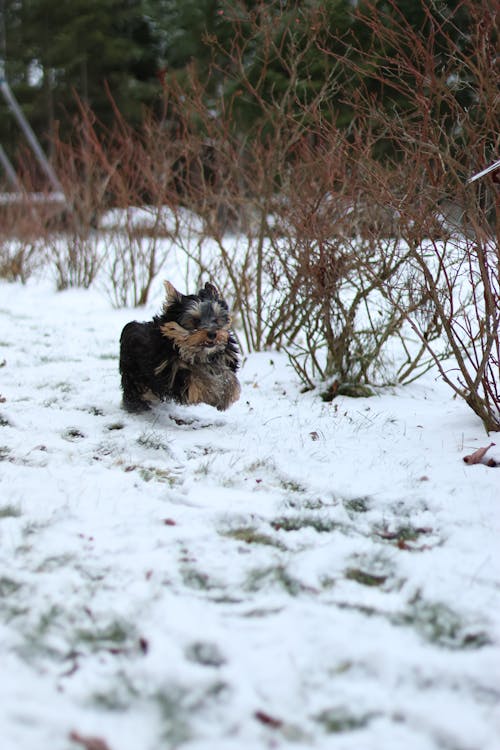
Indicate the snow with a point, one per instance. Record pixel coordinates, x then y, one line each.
289 573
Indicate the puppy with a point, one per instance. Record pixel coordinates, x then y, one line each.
187 354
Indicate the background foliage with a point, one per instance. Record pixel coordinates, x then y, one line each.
53 50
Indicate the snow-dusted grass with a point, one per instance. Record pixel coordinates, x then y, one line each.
291 573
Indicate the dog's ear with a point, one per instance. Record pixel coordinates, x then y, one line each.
211 292
172 295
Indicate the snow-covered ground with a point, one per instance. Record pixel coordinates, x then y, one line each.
290 573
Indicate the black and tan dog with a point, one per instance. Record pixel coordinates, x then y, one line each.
188 354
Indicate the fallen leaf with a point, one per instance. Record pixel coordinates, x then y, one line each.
89 743
268 720
477 456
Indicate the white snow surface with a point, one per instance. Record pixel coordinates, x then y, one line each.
287 574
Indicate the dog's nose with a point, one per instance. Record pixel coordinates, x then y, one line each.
211 335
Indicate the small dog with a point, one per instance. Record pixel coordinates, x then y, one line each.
188 354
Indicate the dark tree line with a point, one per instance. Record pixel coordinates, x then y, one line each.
57 52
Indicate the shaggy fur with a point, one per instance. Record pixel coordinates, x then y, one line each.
187 354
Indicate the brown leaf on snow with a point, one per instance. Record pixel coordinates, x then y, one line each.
477 456
268 720
89 743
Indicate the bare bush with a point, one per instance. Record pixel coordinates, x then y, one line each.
25 218
282 214
334 253
22 249
127 171
448 79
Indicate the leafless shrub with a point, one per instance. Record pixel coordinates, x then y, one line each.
449 78
73 244
25 216
289 230
334 253
118 169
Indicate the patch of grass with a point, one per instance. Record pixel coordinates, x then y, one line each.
119 697
114 637
338 720
290 485
267 467
327 582
259 464
39 642
4 452
96 411
250 535
55 562
149 473
203 450
63 386
195 579
8 586
312 504
434 621
295 523
405 533
178 706
307 504
73 434
154 441
112 700
410 533
12 612
225 599
357 505
115 426
260 578
375 570
364 577
342 667
406 537
441 625
9 511
260 612
363 609
32 528
205 653
174 715
203 470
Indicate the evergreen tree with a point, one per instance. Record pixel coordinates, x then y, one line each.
56 50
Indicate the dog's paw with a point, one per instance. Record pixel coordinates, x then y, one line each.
136 407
